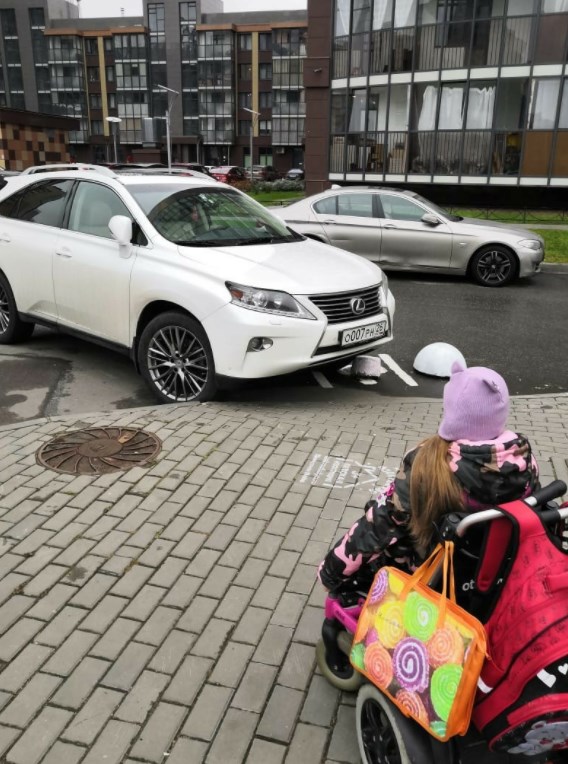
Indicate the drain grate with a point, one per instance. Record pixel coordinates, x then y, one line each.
99 450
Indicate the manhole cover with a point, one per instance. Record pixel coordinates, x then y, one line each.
99 450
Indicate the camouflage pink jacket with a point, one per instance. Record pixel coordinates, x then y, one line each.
490 473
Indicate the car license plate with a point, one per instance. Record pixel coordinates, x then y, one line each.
364 333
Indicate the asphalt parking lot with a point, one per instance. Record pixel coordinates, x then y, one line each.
519 331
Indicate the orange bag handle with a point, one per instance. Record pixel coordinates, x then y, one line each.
422 575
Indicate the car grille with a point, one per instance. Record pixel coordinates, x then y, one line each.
338 307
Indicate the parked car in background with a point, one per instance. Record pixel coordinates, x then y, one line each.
135 165
191 166
296 173
401 230
264 172
230 174
178 171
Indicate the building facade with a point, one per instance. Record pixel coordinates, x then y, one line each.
468 93
234 73
227 75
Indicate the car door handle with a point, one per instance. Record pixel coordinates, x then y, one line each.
5 237
329 222
390 225
63 252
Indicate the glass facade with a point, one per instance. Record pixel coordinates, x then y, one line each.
455 90
288 99
41 59
188 46
132 85
11 80
67 78
216 91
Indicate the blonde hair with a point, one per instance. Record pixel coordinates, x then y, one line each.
434 491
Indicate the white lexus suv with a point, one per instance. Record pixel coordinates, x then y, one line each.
194 279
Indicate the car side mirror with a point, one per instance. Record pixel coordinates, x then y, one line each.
121 228
430 219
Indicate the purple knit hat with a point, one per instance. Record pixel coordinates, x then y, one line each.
476 404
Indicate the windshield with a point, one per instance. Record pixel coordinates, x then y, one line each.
438 210
203 217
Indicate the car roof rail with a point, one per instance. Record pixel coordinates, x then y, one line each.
45 168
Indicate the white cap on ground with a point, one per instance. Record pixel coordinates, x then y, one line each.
437 358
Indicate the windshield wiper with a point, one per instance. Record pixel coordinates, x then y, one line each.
196 243
263 240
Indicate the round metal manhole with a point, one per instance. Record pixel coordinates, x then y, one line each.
99 450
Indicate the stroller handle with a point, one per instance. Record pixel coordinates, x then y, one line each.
549 492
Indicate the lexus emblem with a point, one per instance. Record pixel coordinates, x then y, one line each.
357 305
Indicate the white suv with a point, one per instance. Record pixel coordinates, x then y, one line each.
193 279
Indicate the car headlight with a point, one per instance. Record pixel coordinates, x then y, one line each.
267 301
531 244
385 286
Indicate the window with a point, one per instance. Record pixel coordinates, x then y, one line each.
96 101
265 100
43 203
265 71
96 127
360 205
245 71
244 126
245 100
245 41
326 206
93 207
112 100
108 44
93 73
109 73
265 127
399 208
544 100
91 46
265 41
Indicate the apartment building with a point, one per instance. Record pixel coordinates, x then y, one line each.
440 93
234 73
219 75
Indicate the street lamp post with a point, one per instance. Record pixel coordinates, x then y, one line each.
114 121
255 116
172 95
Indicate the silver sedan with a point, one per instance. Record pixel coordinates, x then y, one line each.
400 230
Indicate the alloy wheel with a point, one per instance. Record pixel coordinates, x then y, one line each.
4 310
177 363
379 740
494 267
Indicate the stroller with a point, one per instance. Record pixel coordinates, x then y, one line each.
385 735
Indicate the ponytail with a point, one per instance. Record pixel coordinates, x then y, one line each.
434 491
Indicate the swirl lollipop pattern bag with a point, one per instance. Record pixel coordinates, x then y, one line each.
420 648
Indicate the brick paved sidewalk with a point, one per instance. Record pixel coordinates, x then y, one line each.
170 613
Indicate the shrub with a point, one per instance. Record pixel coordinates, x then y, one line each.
279 185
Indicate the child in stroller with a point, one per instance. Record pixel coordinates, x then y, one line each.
473 463
386 735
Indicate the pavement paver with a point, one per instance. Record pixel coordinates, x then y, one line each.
173 609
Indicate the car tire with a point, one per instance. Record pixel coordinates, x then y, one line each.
494 266
175 359
12 328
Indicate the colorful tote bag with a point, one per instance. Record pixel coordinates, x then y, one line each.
420 648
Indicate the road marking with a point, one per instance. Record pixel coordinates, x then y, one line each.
339 472
322 380
393 366
368 381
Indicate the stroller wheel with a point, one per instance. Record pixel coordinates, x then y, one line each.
386 736
343 676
